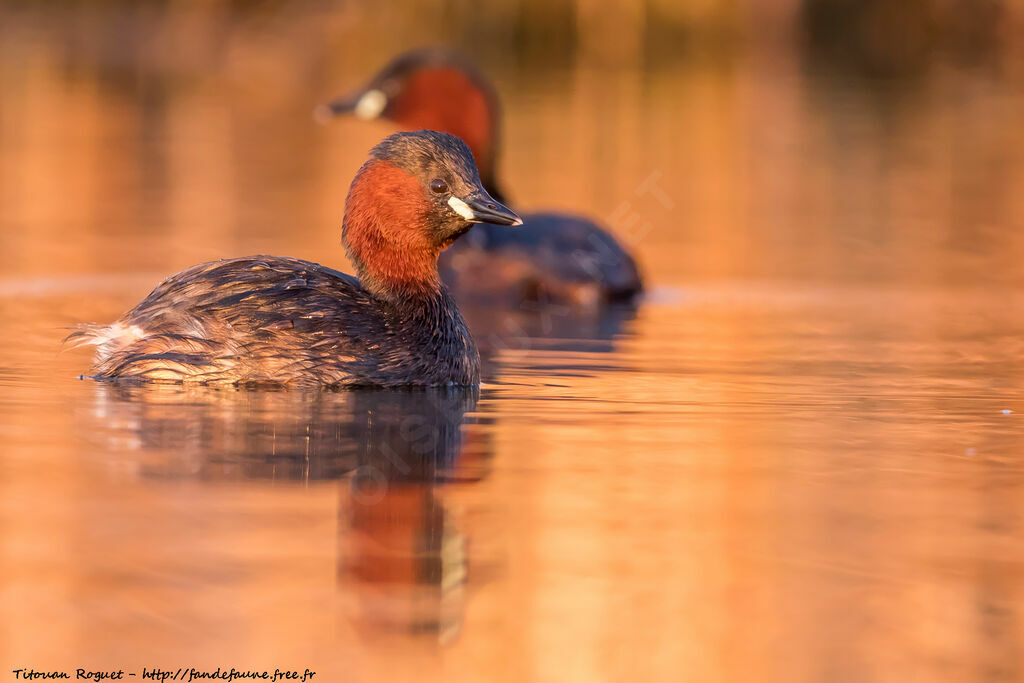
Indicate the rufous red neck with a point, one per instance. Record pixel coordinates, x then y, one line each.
445 99
384 233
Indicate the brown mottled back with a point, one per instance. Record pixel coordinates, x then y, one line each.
266 319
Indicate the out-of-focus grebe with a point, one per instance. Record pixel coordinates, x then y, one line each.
555 257
269 319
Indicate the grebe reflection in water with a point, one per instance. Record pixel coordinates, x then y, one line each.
402 557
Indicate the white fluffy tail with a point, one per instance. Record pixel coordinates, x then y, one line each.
106 338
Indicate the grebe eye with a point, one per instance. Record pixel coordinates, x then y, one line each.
439 186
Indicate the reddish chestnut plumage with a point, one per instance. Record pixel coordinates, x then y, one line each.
267 319
554 257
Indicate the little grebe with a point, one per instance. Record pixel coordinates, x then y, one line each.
554 257
269 319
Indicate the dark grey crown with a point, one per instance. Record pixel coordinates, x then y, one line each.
423 152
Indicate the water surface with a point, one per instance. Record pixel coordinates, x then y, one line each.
796 460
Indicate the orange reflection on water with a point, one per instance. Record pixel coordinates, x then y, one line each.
797 459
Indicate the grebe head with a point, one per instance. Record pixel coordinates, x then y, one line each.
434 89
418 193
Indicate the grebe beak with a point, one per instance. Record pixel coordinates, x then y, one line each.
365 104
481 208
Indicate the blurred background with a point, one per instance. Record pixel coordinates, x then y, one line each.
796 459
848 131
